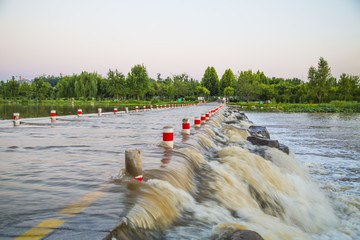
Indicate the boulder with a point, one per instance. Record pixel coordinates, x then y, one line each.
231 122
284 148
241 116
259 131
261 141
245 235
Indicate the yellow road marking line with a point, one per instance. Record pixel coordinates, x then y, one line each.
81 204
41 230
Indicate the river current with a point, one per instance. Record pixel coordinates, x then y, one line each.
212 184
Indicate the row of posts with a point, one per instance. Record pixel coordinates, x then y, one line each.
53 112
133 159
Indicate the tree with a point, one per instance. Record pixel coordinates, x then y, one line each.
227 80
347 87
211 81
138 80
25 90
247 86
42 89
116 83
320 79
202 91
66 87
86 85
228 91
12 88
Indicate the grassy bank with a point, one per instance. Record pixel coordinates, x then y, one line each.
334 107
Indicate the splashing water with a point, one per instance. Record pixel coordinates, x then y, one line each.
221 183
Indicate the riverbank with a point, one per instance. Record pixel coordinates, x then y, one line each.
332 107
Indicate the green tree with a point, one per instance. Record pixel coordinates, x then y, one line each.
12 88
138 81
227 80
211 81
320 79
202 91
86 85
347 87
25 90
247 86
116 83
66 87
3 89
228 91
42 89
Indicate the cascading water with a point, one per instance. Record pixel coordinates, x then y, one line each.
218 183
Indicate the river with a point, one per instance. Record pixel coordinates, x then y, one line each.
210 185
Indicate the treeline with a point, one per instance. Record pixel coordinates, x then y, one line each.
246 86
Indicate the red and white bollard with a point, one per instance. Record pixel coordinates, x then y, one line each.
79 112
168 137
99 112
157 106
169 105
185 126
16 119
160 106
115 111
203 118
207 116
144 108
53 115
136 108
197 122
165 106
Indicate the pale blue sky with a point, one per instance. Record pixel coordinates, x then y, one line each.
282 38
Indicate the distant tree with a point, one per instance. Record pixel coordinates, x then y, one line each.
347 87
228 91
202 91
12 88
211 81
42 89
25 90
86 85
267 92
247 86
138 81
2 89
320 79
66 87
116 83
103 89
180 85
227 80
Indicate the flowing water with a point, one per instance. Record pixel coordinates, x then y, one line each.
210 185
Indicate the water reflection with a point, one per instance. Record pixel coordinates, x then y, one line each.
32 110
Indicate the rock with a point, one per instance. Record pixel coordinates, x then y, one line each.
231 122
241 116
284 148
259 131
261 141
245 235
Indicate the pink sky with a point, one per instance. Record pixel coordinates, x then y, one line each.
281 38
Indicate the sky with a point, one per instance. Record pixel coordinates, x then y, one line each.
281 38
